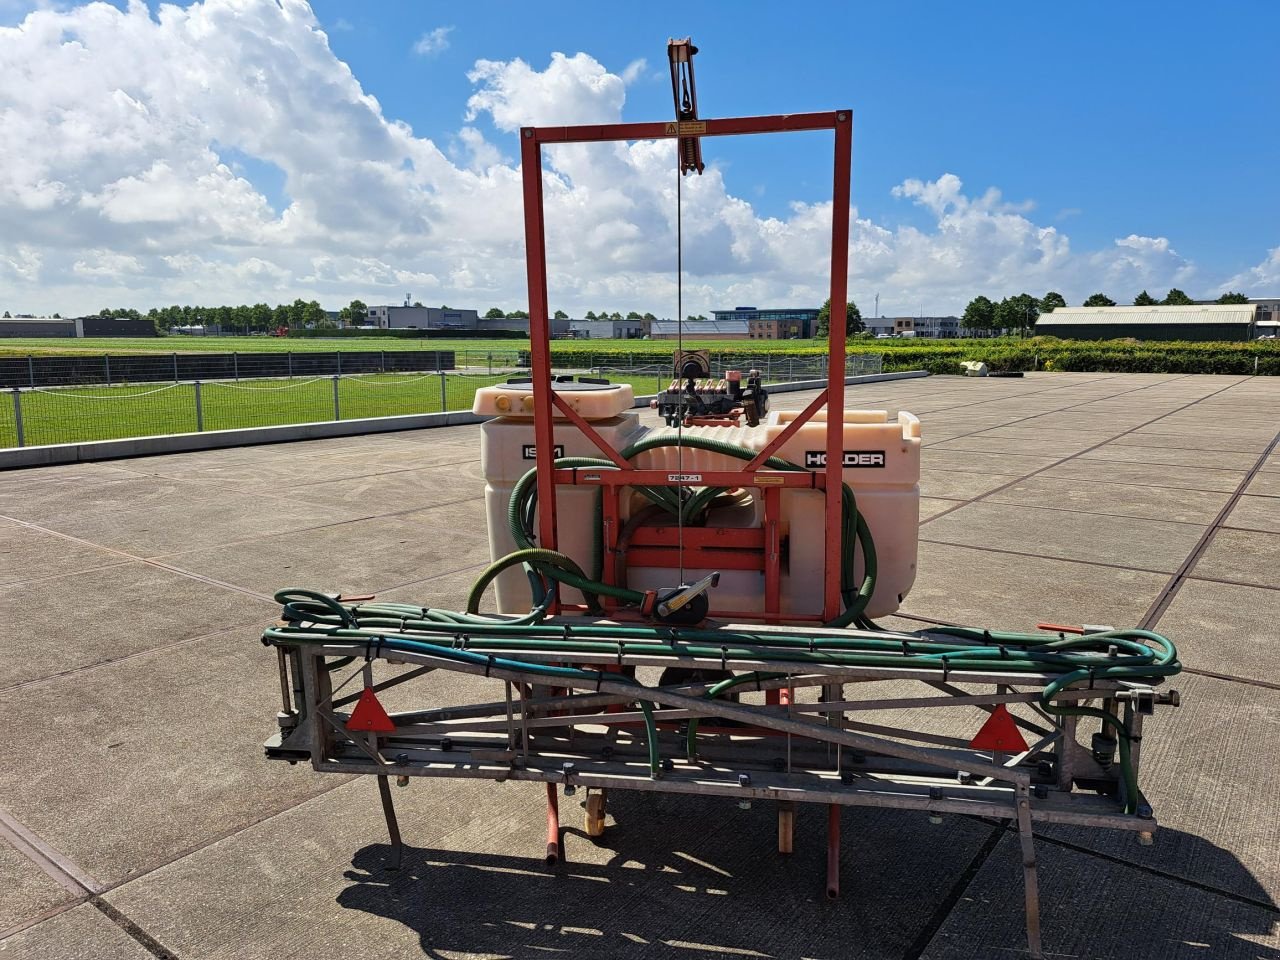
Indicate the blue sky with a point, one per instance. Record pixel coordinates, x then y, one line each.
1113 118
1094 122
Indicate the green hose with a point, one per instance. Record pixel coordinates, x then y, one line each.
691 736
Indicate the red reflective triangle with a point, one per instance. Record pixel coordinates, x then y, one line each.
369 715
998 734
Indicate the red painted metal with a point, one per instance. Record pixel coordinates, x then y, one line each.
774 445
553 824
611 518
773 554
836 360
695 558
545 401
667 130
539 336
705 548
716 538
608 477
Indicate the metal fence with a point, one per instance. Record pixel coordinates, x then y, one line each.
153 368
38 415
42 415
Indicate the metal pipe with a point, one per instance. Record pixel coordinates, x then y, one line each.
833 851
553 825
17 416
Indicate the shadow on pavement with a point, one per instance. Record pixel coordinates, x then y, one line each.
699 880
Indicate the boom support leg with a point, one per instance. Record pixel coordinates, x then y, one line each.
1028 842
393 827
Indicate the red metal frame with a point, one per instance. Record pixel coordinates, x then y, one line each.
766 546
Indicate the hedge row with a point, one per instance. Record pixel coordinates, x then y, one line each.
1109 356
406 333
1004 354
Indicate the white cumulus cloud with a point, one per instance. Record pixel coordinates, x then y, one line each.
433 42
1262 280
129 144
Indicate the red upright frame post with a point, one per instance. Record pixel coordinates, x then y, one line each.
836 361
539 335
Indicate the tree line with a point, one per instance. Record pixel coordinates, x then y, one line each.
1022 311
245 318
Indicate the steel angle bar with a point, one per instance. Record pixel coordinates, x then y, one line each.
484 725
582 700
752 716
368 751
1038 730
767 785
927 702
881 730
386 684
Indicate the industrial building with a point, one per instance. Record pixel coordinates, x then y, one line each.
423 318
449 319
773 323
606 329
890 326
77 327
1195 322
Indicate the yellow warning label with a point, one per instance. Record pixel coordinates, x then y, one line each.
687 128
763 479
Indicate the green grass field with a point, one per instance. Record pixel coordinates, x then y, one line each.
69 415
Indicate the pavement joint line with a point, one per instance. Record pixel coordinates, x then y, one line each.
987 548
1240 898
1265 684
151 561
1125 483
1232 583
70 573
1174 586
155 558
379 473
85 667
197 481
953 896
1092 513
1169 446
182 854
1043 413
36 919
479 565
57 865
140 936
154 563
1227 526
1074 456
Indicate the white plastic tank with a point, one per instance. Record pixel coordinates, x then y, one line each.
881 466
882 458
508 452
